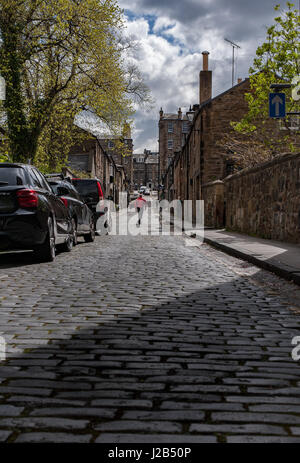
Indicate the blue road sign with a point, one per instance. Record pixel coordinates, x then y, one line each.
277 105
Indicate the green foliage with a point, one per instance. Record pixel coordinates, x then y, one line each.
4 158
276 61
59 57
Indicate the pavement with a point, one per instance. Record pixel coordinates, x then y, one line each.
281 258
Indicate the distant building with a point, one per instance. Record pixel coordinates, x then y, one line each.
121 149
173 130
90 158
146 169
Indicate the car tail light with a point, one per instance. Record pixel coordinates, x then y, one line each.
65 201
100 190
27 198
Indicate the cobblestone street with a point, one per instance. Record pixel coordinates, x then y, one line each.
147 340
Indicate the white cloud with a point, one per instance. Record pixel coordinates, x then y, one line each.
169 54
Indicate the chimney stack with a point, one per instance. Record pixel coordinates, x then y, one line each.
240 80
205 80
179 114
161 113
205 55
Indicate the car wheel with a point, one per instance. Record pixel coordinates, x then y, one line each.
46 252
97 233
68 244
108 226
75 234
90 237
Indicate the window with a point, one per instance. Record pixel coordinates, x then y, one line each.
185 127
12 176
170 127
293 122
42 180
170 144
229 167
110 144
35 181
86 187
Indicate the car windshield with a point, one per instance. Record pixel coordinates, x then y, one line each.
12 176
85 187
54 187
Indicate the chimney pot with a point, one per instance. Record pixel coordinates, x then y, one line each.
240 80
205 55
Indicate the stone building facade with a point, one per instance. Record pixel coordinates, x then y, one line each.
90 158
139 171
121 150
152 170
173 129
145 169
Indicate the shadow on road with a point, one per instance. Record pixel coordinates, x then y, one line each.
207 351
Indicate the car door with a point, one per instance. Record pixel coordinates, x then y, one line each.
87 214
79 207
59 209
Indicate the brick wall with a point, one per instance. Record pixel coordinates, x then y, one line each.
216 117
202 160
265 200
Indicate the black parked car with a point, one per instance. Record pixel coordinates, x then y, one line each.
92 193
81 215
31 215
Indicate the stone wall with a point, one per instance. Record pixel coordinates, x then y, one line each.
265 200
213 196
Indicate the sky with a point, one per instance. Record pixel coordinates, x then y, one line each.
170 36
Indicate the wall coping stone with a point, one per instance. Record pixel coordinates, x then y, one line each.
279 159
215 182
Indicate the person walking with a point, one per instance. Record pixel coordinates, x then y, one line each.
140 204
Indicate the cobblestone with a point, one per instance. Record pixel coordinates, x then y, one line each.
147 340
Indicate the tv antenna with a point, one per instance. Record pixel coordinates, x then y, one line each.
234 46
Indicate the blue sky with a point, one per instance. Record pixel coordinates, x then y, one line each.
172 34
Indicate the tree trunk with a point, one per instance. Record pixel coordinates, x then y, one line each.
22 140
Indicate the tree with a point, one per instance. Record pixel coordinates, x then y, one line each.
243 152
59 57
276 61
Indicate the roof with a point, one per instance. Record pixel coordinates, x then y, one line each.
151 159
223 93
14 164
208 102
174 117
137 157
